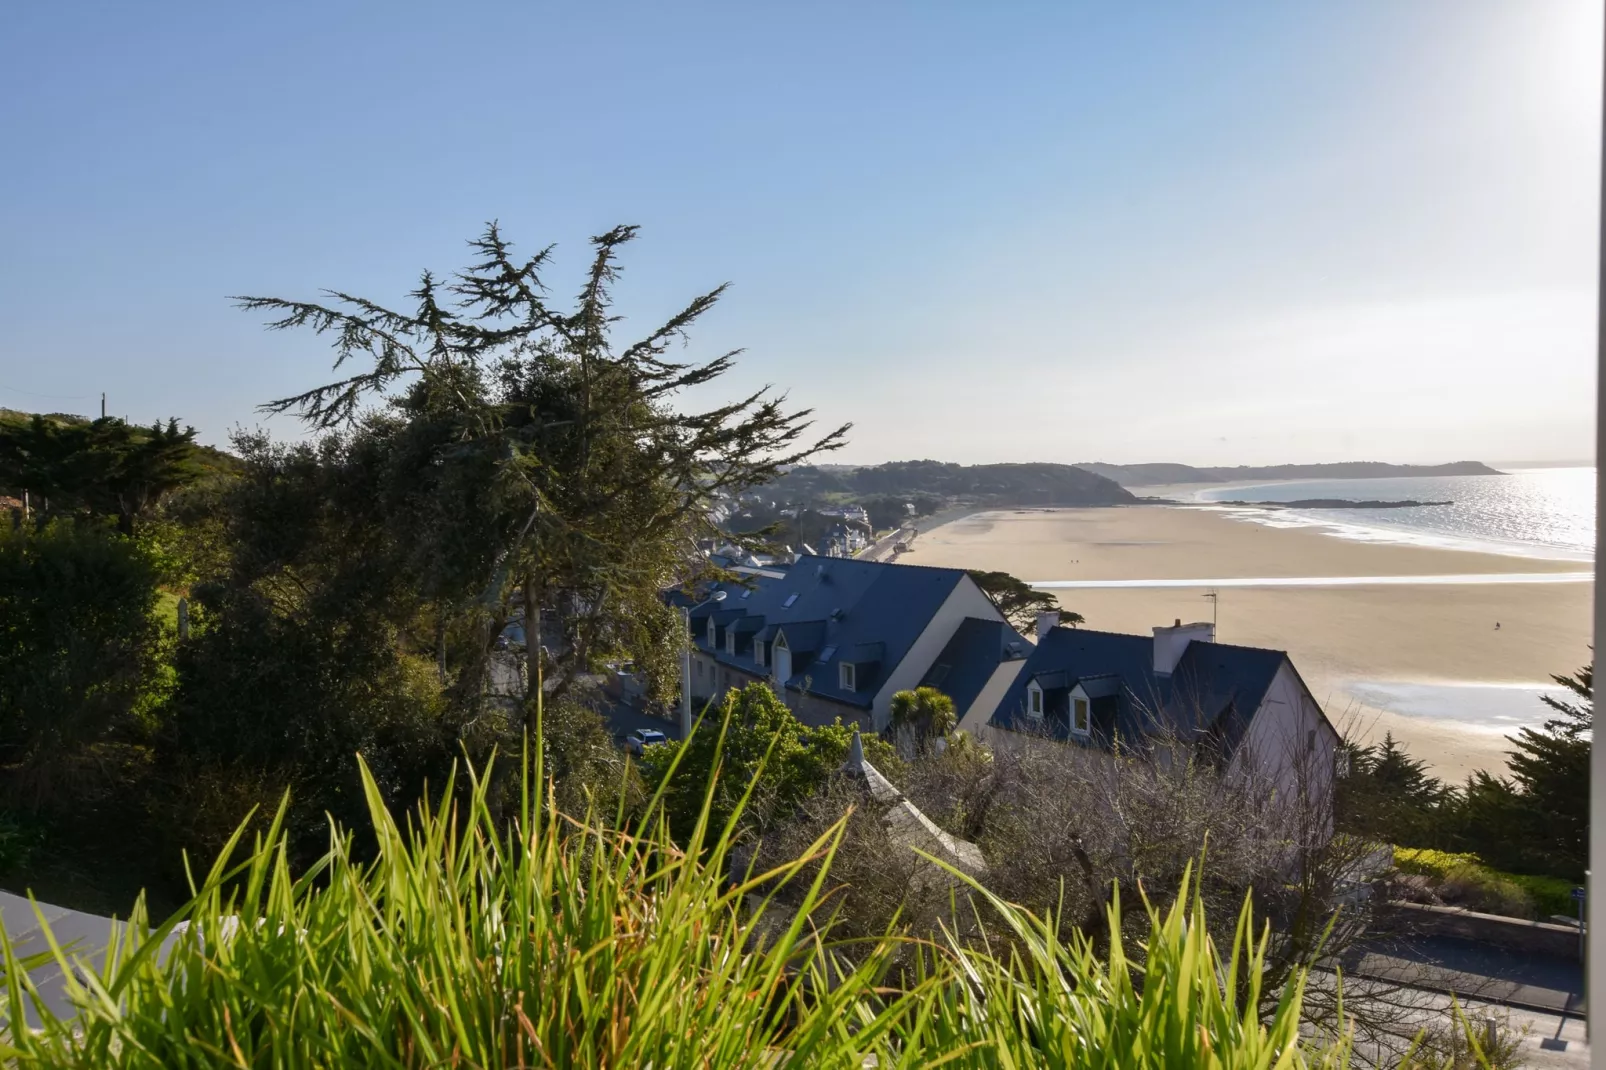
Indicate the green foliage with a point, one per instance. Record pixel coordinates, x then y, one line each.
888 511
925 713
104 468
998 484
1537 821
532 464
565 944
1019 603
755 745
78 650
1388 795
1550 770
281 699
1522 895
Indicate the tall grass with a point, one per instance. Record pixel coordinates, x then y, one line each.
558 942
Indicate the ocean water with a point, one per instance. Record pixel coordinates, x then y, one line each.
1526 512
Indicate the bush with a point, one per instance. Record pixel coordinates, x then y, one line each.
78 653
1465 881
556 942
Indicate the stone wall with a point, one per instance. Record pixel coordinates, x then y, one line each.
1529 937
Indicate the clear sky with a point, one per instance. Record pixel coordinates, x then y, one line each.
1213 233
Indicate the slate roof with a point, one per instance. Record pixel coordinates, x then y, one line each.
1214 690
843 607
971 657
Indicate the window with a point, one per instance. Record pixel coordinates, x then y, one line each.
1034 702
713 633
730 641
1079 716
697 668
789 600
758 653
846 674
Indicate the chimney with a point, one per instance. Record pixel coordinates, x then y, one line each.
1171 643
1047 622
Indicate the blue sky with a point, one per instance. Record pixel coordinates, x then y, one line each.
1247 233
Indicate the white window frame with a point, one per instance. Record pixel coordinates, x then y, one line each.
758 653
1081 710
1034 701
730 641
847 675
713 634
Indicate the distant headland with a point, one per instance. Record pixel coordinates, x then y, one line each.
1154 475
1335 503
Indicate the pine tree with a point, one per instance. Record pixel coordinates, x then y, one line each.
1550 768
536 468
1390 795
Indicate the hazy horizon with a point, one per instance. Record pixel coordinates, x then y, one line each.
1281 233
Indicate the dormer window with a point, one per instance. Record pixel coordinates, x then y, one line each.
1034 702
1079 718
846 675
713 634
730 641
758 653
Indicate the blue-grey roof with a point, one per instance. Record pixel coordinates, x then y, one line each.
1213 692
971 657
844 606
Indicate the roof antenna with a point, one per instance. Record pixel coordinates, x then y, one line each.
1215 604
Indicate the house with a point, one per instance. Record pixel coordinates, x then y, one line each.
837 637
1106 689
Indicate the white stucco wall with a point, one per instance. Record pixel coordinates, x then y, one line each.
965 600
1290 734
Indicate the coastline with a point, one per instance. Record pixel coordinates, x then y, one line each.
1361 647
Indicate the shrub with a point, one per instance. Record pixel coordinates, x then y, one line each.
1466 881
556 941
1476 888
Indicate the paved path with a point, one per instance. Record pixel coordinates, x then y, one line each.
1474 970
1548 1041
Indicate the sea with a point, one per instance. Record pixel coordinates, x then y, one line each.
1527 511
1538 512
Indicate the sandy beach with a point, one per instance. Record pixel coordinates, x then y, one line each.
1347 642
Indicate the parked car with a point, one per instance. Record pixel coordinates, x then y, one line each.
638 741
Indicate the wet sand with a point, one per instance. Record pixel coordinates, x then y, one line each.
1432 634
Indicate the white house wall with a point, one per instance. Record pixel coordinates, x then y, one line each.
1279 739
965 600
